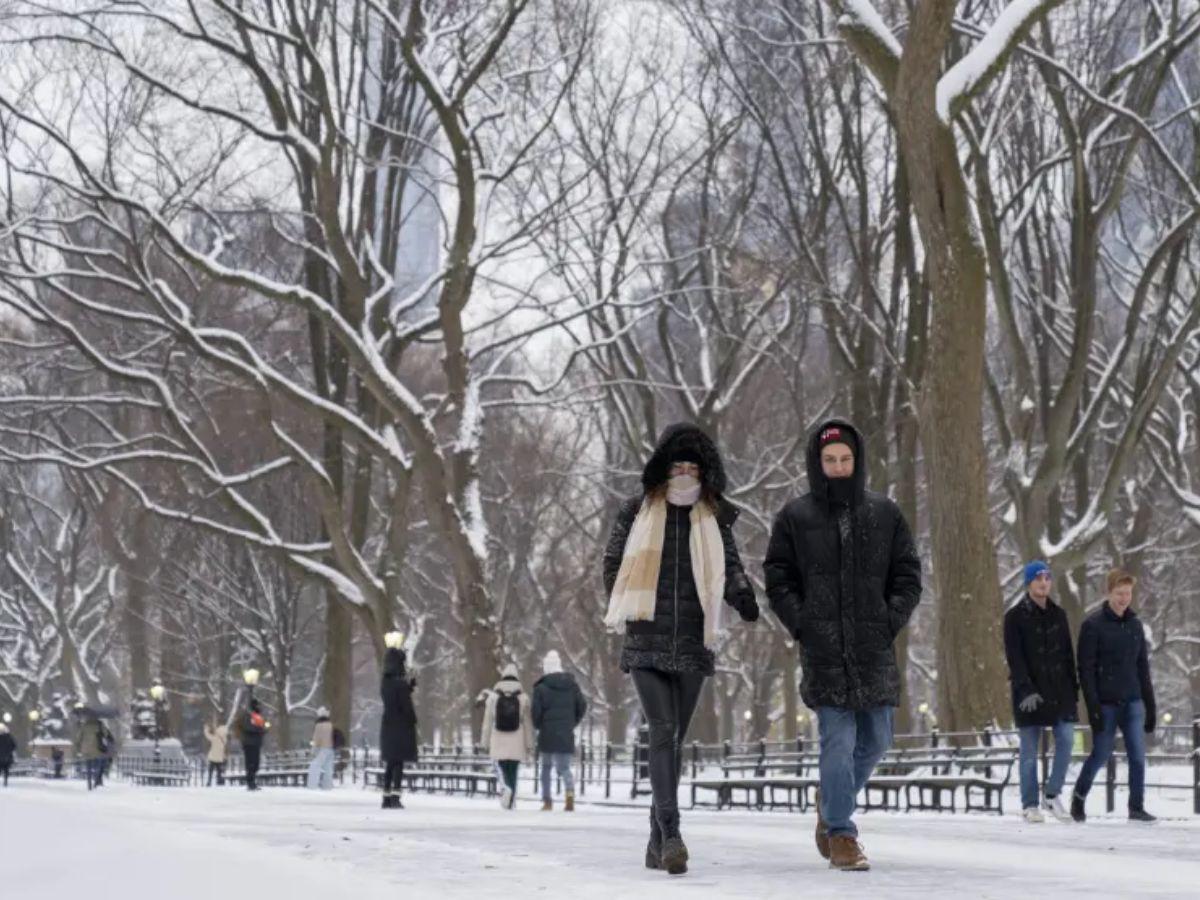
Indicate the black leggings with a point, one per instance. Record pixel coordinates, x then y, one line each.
668 701
4 769
218 769
253 754
393 777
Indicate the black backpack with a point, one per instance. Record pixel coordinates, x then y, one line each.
508 712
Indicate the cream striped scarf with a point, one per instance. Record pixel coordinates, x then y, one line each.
634 592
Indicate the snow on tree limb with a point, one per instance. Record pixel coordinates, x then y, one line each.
987 59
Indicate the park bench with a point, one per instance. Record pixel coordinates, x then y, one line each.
160 777
456 775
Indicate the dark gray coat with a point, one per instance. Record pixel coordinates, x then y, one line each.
843 578
1037 645
398 730
1114 662
558 708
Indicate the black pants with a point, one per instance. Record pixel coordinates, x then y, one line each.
668 701
4 769
509 768
94 768
252 757
218 769
393 777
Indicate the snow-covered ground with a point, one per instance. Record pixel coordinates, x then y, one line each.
58 841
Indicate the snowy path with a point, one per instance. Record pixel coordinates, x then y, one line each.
195 844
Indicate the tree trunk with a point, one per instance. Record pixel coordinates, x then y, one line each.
971 672
337 676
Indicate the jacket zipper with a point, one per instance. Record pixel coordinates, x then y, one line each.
675 625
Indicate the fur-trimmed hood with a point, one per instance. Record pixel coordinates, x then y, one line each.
689 439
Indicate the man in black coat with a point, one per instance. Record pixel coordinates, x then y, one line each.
558 708
252 729
8 749
843 576
1041 671
1114 672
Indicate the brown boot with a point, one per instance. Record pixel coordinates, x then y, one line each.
822 832
547 805
569 802
846 853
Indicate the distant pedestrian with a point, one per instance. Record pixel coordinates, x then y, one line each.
217 735
508 731
320 770
558 708
89 747
8 750
1114 672
252 730
1045 688
398 730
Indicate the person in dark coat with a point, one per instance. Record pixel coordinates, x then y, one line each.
670 565
252 730
8 750
843 577
558 708
398 730
1041 672
89 746
1114 672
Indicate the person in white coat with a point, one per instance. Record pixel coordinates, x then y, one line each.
217 735
508 731
320 769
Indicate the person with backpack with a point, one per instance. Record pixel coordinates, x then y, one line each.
320 770
508 731
398 729
8 750
670 566
558 708
217 735
252 729
89 747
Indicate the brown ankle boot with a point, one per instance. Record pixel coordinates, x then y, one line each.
547 805
569 802
822 832
846 853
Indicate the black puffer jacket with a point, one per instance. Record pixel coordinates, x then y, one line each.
674 640
8 748
1114 663
1037 644
398 729
558 707
843 579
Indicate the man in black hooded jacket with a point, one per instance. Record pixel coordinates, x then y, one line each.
843 576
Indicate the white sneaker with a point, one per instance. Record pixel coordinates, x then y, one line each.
1054 806
1033 815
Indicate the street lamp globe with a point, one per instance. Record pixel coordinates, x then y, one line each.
923 708
158 692
250 676
7 718
34 715
1167 718
393 640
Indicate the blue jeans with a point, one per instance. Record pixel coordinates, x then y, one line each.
562 765
852 743
1130 717
1064 741
320 770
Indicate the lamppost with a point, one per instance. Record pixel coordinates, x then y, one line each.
157 694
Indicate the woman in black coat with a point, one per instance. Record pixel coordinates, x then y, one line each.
398 730
670 564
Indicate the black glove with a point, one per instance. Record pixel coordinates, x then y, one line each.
741 597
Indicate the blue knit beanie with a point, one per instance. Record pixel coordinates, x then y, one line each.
1034 569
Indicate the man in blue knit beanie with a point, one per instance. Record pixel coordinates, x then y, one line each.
1045 688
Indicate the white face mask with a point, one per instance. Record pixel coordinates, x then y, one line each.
683 490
